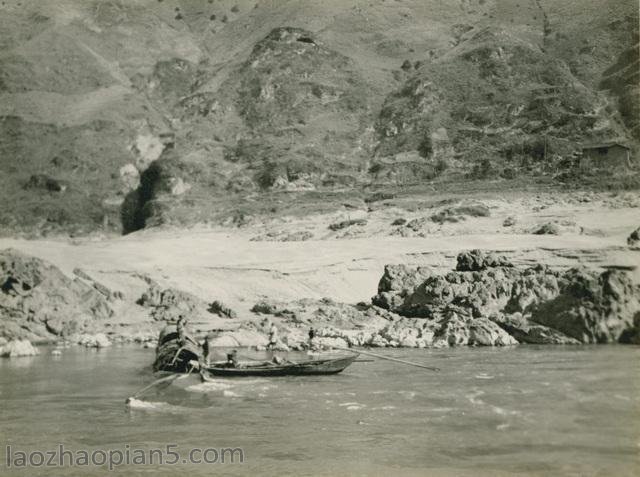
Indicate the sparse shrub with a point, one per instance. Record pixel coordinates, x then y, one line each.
416 224
378 196
241 218
443 216
42 181
509 222
634 239
482 169
547 229
508 173
406 65
375 168
235 9
441 166
400 221
425 148
220 309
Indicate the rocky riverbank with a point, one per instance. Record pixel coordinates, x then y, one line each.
486 301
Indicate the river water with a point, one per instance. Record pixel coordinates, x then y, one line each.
523 410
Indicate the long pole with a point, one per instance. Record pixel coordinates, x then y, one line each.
430 368
155 383
158 381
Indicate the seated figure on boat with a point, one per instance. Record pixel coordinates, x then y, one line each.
232 359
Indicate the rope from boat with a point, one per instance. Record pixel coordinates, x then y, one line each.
161 380
155 383
173 361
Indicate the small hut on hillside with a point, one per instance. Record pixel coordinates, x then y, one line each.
605 155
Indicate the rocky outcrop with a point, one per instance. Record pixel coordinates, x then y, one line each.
338 324
633 240
532 305
99 340
481 292
476 260
397 282
592 308
37 300
220 309
18 348
525 331
167 304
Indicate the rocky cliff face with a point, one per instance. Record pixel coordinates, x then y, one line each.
37 300
533 305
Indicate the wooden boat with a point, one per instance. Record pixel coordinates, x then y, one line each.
173 357
305 368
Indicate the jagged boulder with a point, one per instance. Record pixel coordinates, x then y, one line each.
482 293
99 340
593 308
476 260
525 331
483 332
453 330
634 239
406 333
397 282
18 348
533 286
38 300
534 305
167 304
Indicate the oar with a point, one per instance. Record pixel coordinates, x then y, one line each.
388 358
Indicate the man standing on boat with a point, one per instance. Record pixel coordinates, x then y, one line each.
181 328
312 335
205 351
273 336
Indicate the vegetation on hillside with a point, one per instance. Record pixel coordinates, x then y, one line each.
116 115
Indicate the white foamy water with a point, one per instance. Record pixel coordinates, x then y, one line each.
142 405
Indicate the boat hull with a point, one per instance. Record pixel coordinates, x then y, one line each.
315 367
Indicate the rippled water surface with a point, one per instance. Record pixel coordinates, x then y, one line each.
532 410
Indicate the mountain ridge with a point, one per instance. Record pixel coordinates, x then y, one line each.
183 83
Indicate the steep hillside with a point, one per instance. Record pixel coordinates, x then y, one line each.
493 101
622 80
153 111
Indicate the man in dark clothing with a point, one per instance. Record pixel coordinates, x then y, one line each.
232 359
181 329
